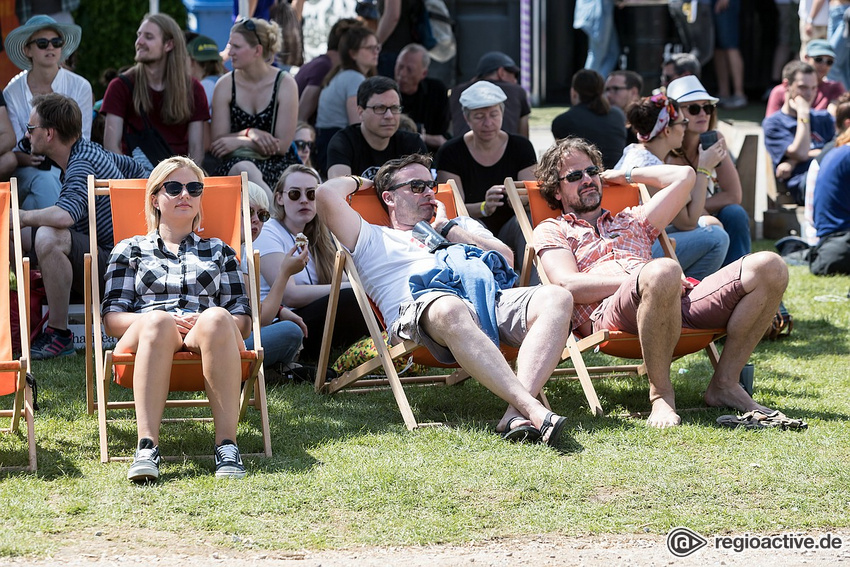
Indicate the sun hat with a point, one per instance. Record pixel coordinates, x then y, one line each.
688 89
203 48
481 95
492 61
18 37
819 47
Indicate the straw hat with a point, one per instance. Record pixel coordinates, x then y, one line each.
18 37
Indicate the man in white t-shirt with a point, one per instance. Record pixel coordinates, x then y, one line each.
534 319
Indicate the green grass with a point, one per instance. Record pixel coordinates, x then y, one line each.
346 472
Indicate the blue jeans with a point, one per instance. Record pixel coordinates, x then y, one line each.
700 251
281 341
603 47
840 70
38 188
736 223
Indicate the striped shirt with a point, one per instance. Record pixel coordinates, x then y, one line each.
622 246
144 275
89 158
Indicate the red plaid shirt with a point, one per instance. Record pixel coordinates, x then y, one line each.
623 244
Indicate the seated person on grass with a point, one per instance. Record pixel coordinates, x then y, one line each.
452 327
605 261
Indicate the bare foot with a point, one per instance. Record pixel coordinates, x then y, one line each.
663 415
732 397
511 422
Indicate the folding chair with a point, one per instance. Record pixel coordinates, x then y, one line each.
14 371
225 214
368 205
619 343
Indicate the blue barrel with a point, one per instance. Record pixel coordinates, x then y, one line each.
212 18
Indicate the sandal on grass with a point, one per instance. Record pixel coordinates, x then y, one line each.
521 433
781 325
556 428
759 420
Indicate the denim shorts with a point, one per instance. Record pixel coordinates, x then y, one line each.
727 26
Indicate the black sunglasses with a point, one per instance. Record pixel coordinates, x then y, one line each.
295 194
576 175
249 25
708 108
416 185
818 59
43 42
262 214
175 188
302 145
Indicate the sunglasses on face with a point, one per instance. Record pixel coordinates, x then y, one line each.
43 42
417 186
708 108
576 175
262 214
683 122
175 188
302 145
31 128
828 62
295 194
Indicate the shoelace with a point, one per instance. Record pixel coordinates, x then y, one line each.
228 453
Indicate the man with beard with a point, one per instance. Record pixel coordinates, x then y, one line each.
363 148
451 326
157 93
606 262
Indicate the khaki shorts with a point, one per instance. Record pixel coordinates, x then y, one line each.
511 318
707 306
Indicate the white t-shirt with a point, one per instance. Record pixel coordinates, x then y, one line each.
276 238
636 155
19 99
387 257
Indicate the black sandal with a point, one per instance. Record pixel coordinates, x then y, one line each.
521 433
556 428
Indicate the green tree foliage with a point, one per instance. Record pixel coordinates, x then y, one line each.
109 34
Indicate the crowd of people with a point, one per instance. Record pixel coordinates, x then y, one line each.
365 116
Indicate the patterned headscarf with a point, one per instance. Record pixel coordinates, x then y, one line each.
667 115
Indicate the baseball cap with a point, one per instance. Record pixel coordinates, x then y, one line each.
818 47
203 48
491 61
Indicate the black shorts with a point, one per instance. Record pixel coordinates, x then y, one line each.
79 248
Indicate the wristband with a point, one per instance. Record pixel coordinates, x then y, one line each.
444 232
803 120
358 180
704 171
247 130
629 175
483 212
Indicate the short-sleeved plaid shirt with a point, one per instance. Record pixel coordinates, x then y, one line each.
622 245
143 275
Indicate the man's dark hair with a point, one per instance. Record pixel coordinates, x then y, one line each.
60 113
589 85
385 177
549 166
338 30
789 72
633 80
375 85
684 64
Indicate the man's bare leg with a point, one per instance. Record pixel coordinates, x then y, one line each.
448 321
765 277
549 313
659 321
53 245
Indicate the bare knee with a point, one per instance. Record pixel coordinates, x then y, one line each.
764 269
551 302
660 277
157 328
50 241
445 314
215 328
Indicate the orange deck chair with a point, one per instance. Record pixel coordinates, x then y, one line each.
226 216
368 205
620 344
14 369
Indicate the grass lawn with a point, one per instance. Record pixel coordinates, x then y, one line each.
346 472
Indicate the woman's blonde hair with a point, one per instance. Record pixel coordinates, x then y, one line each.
321 245
258 196
157 177
266 34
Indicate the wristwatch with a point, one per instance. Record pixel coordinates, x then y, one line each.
444 232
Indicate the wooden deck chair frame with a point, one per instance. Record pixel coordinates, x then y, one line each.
367 204
619 344
231 196
14 371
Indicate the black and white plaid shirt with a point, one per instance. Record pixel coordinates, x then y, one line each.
144 275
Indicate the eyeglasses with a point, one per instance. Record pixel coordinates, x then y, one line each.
417 186
262 214
295 194
682 122
615 88
381 109
31 128
302 145
708 108
576 175
824 60
175 188
249 25
56 42
375 48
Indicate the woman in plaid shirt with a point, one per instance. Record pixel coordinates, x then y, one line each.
171 290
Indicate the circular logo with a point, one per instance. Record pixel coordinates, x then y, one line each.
682 542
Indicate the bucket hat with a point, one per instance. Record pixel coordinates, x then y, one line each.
18 37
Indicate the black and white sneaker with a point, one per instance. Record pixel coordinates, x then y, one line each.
228 462
145 467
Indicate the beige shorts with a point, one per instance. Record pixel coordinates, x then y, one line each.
511 318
